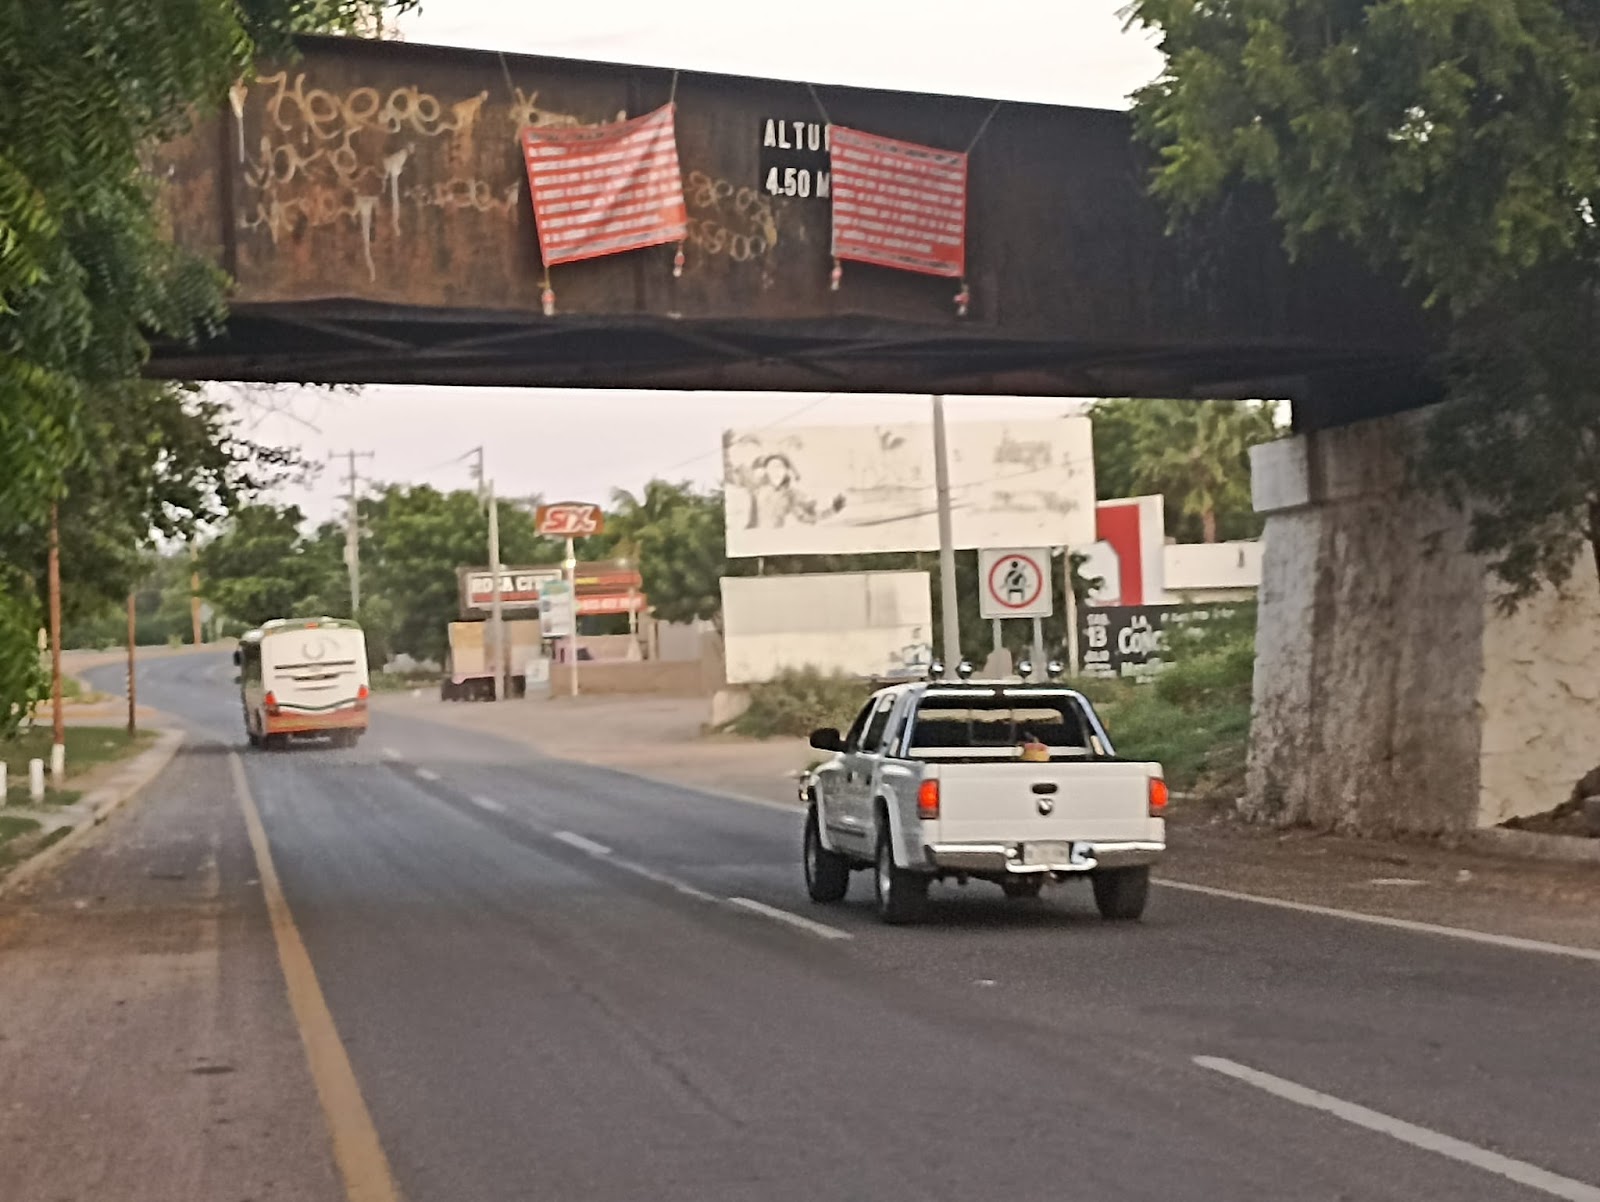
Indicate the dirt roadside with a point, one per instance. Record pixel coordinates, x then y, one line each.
1418 880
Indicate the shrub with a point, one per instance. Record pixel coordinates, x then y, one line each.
799 700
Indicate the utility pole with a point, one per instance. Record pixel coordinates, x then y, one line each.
196 633
947 553
58 718
352 526
497 630
133 723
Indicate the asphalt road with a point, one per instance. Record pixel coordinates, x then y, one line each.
555 981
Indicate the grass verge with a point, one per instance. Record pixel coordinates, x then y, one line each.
87 748
798 701
1194 718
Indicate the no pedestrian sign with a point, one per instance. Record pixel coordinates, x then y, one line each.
1014 582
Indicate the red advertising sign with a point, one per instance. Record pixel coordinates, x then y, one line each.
612 603
898 204
570 519
602 189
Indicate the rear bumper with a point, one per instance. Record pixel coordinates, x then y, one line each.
300 724
1002 859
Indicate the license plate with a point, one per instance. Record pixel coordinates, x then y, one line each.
1058 852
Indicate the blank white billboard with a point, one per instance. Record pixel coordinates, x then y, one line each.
859 623
837 490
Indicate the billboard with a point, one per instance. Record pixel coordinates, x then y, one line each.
837 490
1134 642
859 623
1128 555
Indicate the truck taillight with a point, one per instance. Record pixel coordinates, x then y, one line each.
361 695
271 704
1158 796
928 799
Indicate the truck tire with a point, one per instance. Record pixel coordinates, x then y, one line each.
1120 893
827 872
902 895
1023 888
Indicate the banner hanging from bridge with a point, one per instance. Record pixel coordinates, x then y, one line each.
898 204
603 189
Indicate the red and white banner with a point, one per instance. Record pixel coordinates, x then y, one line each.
602 189
898 204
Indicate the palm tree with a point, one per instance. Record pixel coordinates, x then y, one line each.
1195 453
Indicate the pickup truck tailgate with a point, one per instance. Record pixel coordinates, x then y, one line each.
1015 802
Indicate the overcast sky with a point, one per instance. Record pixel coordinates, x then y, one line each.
579 446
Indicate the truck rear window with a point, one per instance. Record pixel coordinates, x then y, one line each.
997 723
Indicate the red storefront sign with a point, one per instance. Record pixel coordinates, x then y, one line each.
612 603
898 204
602 189
569 519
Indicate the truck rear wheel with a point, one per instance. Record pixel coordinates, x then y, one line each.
1120 893
827 872
902 895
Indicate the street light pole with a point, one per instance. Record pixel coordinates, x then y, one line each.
951 623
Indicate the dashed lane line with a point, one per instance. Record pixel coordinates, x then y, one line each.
1512 942
1520 1171
800 922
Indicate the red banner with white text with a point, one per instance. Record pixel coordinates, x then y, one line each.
898 204
603 189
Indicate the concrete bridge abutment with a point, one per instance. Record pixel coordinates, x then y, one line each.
1392 692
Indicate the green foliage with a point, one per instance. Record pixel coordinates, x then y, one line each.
261 567
1195 718
1457 142
682 557
22 678
1196 454
416 537
87 275
800 700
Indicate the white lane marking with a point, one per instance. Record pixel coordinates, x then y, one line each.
427 774
1519 1171
487 803
389 753
1400 924
600 850
822 930
582 844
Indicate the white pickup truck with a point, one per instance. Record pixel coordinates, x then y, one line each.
1000 781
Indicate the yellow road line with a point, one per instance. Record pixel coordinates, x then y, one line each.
356 1149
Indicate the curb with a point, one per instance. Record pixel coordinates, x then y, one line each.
132 779
1529 845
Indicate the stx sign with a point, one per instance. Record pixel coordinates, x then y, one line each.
569 519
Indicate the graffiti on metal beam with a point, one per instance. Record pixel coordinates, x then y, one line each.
727 220
331 160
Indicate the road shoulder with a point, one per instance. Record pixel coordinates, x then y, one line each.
149 1049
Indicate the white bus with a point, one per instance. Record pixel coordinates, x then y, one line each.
303 676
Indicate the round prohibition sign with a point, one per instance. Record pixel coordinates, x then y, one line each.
1006 588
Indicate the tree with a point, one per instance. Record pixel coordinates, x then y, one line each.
262 567
87 274
416 537
1196 454
1457 144
683 555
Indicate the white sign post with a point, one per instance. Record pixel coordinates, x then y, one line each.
1015 583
